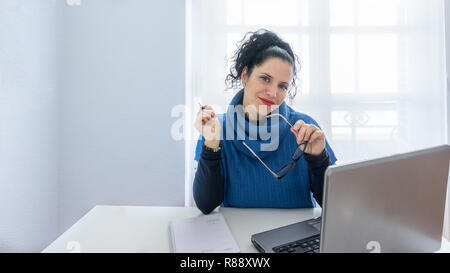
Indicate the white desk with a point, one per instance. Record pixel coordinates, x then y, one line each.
146 229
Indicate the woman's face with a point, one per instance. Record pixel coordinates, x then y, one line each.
266 87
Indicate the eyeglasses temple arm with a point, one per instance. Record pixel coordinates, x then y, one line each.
283 117
265 166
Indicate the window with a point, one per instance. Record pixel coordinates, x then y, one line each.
373 71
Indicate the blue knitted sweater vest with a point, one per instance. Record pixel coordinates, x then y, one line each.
247 183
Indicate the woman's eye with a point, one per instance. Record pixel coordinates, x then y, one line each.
265 79
284 87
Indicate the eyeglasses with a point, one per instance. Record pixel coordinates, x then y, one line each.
298 153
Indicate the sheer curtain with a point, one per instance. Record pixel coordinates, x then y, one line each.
373 71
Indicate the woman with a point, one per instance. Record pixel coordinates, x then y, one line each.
237 162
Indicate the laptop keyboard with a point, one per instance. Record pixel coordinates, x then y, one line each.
308 245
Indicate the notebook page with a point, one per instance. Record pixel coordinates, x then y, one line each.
202 234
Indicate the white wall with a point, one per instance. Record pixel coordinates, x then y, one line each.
86 94
29 93
447 46
124 67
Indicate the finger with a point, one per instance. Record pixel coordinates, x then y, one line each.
207 129
298 125
206 115
212 128
318 135
301 134
208 108
309 131
205 118
198 120
211 123
210 111
317 143
205 111
294 132
205 121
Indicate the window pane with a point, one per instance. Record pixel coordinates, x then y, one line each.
234 12
379 133
342 12
364 118
300 46
232 40
303 74
271 13
382 118
377 59
341 118
341 133
377 12
304 20
342 63
291 39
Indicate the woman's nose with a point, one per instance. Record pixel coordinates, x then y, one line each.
271 91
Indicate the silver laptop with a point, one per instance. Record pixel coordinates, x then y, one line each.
390 204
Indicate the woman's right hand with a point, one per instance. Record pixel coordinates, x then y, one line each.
208 125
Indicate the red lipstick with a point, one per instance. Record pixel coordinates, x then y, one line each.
267 102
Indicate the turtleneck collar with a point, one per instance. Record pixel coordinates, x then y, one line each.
262 136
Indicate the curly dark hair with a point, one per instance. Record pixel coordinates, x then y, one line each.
253 50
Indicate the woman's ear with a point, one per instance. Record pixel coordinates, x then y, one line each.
244 76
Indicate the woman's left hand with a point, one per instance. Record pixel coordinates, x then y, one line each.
309 132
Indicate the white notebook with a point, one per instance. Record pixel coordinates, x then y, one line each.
202 234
